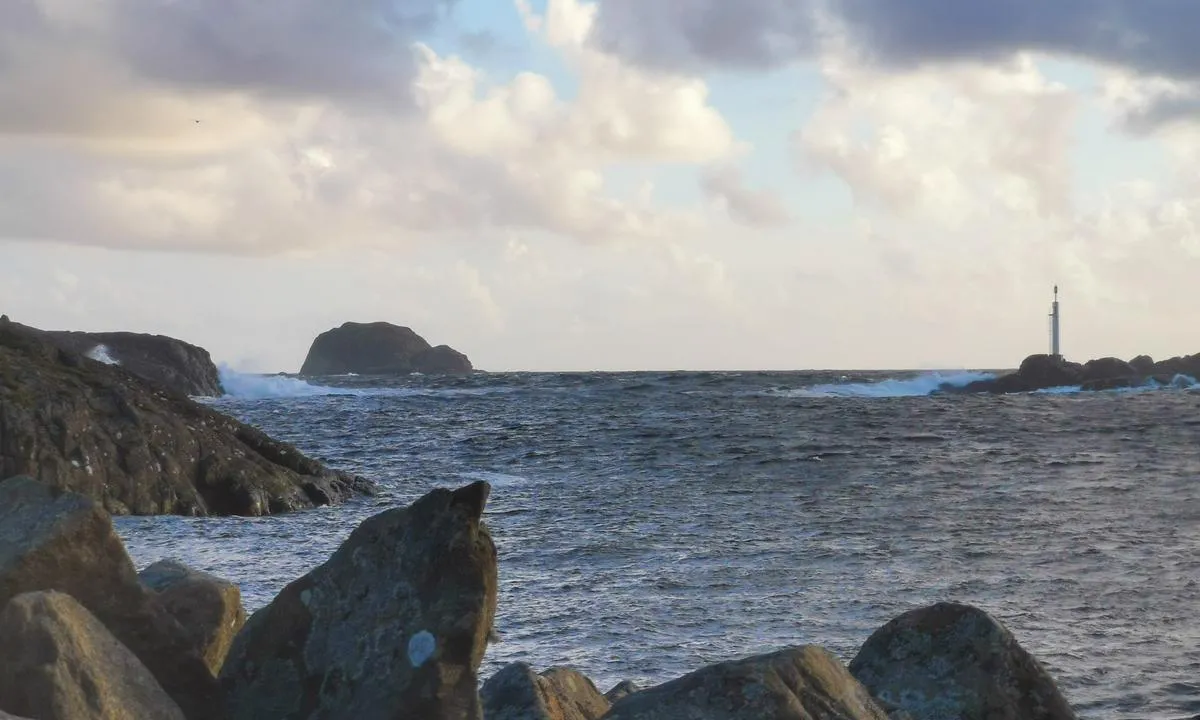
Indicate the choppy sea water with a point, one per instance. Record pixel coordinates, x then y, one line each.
649 524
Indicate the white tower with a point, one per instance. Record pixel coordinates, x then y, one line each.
1055 350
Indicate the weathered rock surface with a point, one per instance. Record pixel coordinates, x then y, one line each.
516 692
802 683
67 666
1142 365
379 348
623 689
173 364
50 540
393 625
208 607
955 661
102 431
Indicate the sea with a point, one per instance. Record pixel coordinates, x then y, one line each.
649 524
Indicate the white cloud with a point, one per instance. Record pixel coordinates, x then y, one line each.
726 187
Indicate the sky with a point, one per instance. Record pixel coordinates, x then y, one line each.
608 184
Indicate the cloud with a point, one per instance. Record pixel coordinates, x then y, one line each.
756 208
320 127
1147 37
951 145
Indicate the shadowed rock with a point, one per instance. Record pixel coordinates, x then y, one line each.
208 607
104 432
801 683
1142 365
379 348
69 667
623 689
955 661
393 625
516 692
60 541
173 364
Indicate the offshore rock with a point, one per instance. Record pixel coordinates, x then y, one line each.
379 348
208 607
393 625
800 683
516 692
69 667
173 364
51 540
955 661
1142 365
101 431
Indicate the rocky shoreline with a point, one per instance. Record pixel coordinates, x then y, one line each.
395 624
138 447
1043 372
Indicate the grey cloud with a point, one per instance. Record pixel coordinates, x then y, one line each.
1148 36
756 208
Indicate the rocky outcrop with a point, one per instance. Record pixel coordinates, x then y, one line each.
625 688
793 684
394 624
173 364
208 607
69 667
379 348
955 661
1042 372
101 431
51 540
516 692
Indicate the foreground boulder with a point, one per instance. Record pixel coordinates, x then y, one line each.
173 364
799 683
51 540
69 667
208 607
393 625
516 692
379 349
955 661
102 431
623 689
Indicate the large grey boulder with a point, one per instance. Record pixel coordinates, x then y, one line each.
801 683
208 607
516 692
393 625
50 540
952 661
61 663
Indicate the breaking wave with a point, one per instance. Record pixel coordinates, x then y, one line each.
246 386
100 354
918 386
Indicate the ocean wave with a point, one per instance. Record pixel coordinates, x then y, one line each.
100 354
245 386
919 386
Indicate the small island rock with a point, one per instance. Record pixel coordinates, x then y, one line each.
379 348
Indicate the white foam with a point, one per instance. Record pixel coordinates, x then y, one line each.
918 386
260 387
100 353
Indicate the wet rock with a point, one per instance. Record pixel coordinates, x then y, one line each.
623 689
516 692
799 683
955 661
1108 368
50 540
104 432
393 625
379 348
1142 365
208 607
70 667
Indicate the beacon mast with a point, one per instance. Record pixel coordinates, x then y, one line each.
1054 346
